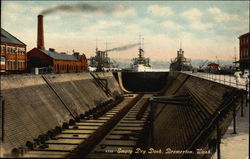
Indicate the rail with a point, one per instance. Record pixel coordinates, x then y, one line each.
102 83
53 89
233 81
214 120
88 135
85 147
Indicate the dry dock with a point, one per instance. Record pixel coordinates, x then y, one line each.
111 115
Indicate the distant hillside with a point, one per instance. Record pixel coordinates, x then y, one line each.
125 63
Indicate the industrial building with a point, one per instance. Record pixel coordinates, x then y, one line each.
57 62
13 54
244 41
51 60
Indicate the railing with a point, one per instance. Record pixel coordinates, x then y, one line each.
103 83
230 80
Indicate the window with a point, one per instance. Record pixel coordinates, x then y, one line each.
2 60
2 49
10 65
7 65
10 68
13 65
17 65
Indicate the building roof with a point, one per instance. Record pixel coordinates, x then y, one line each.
243 35
8 38
59 56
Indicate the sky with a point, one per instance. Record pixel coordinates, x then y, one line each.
206 29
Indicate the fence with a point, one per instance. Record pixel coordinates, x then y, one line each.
231 80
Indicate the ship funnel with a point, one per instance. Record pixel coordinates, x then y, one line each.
40 34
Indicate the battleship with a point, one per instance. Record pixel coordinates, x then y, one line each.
101 62
180 63
140 63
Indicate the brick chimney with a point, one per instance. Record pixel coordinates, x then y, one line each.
40 36
76 54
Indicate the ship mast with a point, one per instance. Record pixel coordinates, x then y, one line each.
96 44
180 44
180 52
140 48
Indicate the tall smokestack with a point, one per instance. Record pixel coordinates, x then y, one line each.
40 36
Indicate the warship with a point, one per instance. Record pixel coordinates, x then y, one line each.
180 63
140 63
101 62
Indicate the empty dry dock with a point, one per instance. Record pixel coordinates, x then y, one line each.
92 115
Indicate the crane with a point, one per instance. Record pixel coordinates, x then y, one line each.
202 64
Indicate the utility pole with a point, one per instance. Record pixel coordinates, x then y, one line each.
234 54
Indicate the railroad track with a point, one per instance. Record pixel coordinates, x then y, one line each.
97 134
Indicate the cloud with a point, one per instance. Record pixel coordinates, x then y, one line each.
193 15
223 17
147 21
234 23
109 23
101 27
9 12
136 29
171 25
201 26
237 28
53 18
160 11
244 18
36 9
13 6
128 12
220 16
8 16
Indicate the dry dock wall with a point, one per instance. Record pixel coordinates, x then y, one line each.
34 104
176 127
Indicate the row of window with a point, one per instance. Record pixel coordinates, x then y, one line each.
12 50
244 52
244 40
67 67
15 65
